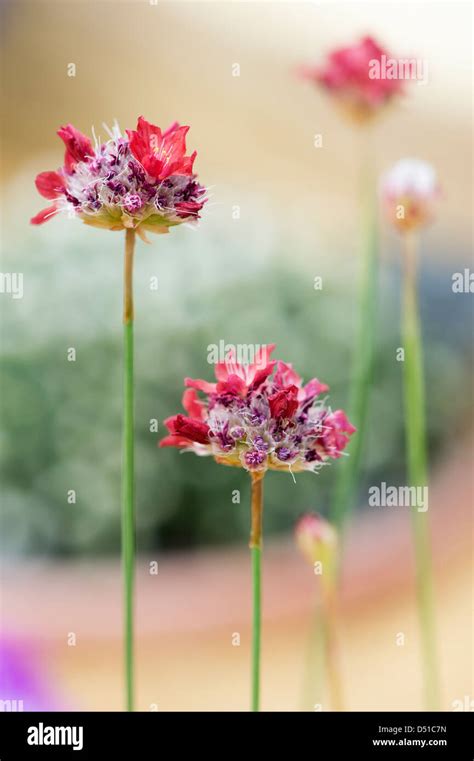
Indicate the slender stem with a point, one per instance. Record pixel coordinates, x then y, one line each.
415 432
323 652
128 313
330 625
315 660
256 626
364 351
255 545
128 485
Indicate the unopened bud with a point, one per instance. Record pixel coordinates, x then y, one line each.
318 542
410 193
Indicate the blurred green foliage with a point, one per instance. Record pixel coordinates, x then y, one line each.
62 420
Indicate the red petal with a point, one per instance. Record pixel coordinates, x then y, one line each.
233 385
172 128
174 441
78 146
221 371
147 129
161 154
44 215
200 385
262 375
313 388
191 429
145 140
188 208
284 403
49 184
137 144
192 405
187 164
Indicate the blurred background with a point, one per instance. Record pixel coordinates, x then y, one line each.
282 212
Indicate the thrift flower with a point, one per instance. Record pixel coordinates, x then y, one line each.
410 193
140 182
259 417
143 181
346 76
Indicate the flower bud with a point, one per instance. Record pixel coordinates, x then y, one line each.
410 192
318 541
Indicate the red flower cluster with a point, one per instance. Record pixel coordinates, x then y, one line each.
144 182
259 416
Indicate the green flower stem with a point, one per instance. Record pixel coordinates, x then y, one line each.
330 629
322 660
364 352
255 545
128 480
313 682
415 433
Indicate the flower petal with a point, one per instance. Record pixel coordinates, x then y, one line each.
44 215
192 404
78 146
200 385
49 184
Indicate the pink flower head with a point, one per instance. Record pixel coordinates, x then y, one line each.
350 76
258 418
318 542
143 181
410 193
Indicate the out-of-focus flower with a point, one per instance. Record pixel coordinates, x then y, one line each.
259 417
410 193
318 542
23 686
144 181
315 536
348 75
